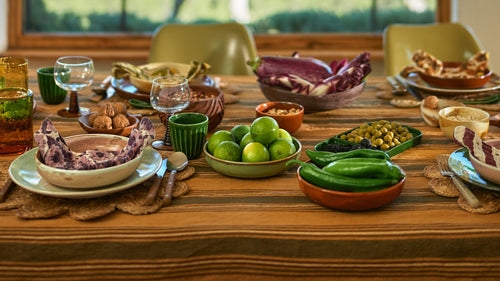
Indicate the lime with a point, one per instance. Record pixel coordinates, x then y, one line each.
228 150
239 131
216 138
264 130
246 140
283 134
255 152
281 148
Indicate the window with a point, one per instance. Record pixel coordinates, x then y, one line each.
332 28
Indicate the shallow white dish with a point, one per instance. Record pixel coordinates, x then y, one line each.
24 173
415 81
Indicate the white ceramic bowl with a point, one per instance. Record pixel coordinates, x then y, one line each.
475 119
90 178
488 172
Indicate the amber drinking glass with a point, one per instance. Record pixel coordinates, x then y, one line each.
16 120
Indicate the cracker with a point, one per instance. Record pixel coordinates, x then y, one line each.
490 201
38 206
444 186
132 201
432 171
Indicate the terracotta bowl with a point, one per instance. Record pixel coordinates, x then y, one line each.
456 83
79 179
212 107
84 123
289 122
250 170
475 119
313 103
350 201
488 172
431 115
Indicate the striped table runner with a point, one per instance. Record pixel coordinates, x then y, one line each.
266 229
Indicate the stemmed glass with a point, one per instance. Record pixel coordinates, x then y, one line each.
169 94
73 73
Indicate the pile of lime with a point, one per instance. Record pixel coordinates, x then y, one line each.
262 141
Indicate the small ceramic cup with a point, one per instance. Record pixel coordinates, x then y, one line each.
188 131
50 92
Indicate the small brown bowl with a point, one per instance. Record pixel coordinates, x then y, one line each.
455 83
313 103
290 122
212 107
350 201
125 131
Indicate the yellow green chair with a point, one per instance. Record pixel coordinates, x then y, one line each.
226 47
445 41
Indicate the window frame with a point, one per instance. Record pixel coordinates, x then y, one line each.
122 45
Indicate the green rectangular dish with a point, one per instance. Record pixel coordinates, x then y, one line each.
417 138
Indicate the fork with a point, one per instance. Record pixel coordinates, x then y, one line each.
442 161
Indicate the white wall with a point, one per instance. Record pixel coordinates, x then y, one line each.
3 25
482 17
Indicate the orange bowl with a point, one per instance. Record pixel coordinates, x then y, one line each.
456 83
350 201
290 122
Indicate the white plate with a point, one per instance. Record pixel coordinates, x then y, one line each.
414 80
24 173
462 167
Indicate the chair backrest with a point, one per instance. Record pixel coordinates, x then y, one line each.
445 41
226 47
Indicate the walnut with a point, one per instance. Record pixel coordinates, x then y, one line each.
120 107
92 117
431 102
120 121
107 110
103 122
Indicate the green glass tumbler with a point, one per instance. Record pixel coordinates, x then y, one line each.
50 92
188 132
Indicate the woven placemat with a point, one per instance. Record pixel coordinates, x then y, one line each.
444 186
31 205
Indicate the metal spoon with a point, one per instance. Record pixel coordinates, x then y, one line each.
177 161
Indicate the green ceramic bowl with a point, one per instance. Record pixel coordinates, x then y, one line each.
251 170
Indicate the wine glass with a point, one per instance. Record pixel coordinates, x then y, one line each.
169 94
73 73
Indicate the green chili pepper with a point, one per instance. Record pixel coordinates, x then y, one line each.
323 158
365 168
314 175
489 100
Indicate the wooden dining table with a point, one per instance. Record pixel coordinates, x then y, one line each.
229 228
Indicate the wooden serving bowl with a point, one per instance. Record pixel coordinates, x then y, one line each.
125 131
350 201
313 103
455 83
212 107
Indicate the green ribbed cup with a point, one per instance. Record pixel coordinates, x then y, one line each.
188 132
50 92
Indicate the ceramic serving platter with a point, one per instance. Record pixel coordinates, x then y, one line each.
414 80
24 173
417 138
460 164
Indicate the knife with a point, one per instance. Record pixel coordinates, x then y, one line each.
412 91
157 183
